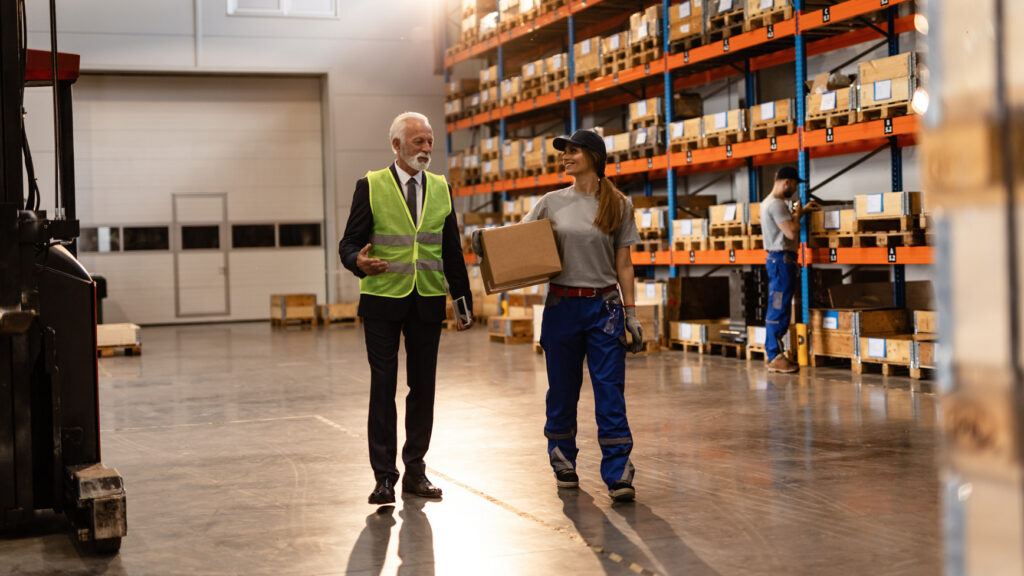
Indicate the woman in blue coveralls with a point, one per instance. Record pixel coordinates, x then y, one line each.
584 316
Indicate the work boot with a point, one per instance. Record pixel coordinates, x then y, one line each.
782 365
567 479
622 491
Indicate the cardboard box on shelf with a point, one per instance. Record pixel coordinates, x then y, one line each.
519 255
614 43
689 228
898 66
532 70
686 130
686 19
925 322
778 111
512 155
511 88
832 221
725 122
832 102
651 218
588 56
488 25
489 76
535 152
887 205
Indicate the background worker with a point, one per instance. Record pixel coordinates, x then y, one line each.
402 240
780 226
583 315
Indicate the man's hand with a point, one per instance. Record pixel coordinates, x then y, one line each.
370 266
809 207
461 327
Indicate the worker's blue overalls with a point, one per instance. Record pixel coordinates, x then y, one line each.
591 327
782 275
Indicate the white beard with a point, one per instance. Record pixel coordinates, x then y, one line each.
415 163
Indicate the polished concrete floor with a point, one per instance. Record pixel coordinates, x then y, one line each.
243 450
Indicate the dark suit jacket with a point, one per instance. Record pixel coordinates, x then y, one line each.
429 308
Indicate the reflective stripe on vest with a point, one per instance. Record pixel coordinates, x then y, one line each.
413 254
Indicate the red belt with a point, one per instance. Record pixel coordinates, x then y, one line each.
568 292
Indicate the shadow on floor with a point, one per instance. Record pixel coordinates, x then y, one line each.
415 541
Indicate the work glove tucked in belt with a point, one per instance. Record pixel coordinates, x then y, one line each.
635 330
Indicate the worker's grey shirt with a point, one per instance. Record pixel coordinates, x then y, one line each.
588 254
773 211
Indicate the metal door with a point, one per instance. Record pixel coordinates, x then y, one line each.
200 255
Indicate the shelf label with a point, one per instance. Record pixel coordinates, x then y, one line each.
693 257
536 180
686 56
641 108
883 90
609 143
875 204
721 120
650 289
829 135
833 255
828 101
728 150
689 156
615 78
732 256
613 42
767 4
885 2
826 15
768 111
677 130
531 69
771 31
618 167
686 227
725 45
653 259
876 347
685 10
650 163
774 144
892 255
760 335
730 213
831 320
888 126
557 61
641 137
585 48
724 5
685 331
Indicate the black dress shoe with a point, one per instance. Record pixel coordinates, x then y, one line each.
420 487
384 493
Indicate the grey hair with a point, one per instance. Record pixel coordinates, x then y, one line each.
400 124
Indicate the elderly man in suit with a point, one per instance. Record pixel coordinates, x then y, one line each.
402 241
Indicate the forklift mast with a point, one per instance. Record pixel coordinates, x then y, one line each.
49 384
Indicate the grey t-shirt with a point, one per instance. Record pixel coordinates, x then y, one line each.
588 255
773 211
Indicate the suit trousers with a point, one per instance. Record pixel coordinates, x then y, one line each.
421 343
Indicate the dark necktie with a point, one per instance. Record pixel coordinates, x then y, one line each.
410 198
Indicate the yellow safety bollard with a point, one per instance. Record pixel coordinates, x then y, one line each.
801 345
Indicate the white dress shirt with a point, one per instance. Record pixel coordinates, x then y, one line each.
403 178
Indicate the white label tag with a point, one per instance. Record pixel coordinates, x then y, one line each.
641 108
876 347
609 143
766 4
685 331
529 146
875 204
768 111
724 5
613 42
760 335
730 213
642 31
535 290
684 28
641 137
508 149
677 130
830 322
645 220
651 292
686 227
832 219
484 96
585 48
558 61
489 144
883 90
721 120
531 69
828 101
685 10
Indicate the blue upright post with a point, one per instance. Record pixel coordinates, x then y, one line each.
502 135
671 183
754 194
802 156
899 271
574 117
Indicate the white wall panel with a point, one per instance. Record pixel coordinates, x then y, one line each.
257 273
140 286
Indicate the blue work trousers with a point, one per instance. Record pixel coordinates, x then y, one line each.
782 271
575 328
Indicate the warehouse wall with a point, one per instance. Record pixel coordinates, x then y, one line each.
376 58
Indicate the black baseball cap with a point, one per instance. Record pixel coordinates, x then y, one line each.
788 173
586 139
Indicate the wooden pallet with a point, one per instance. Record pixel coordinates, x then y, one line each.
618 156
882 239
492 177
488 106
644 123
646 151
685 44
897 224
832 241
552 86
660 245
724 26
285 322
506 339
885 367
643 52
723 138
756 242
681 146
735 349
822 121
687 346
729 229
531 93
534 171
755 349
691 244
513 174
108 351
824 360
772 130
588 75
651 233
650 347
890 110
613 67
767 18
550 5
921 372
730 243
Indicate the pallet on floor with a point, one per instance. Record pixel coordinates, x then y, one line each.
689 345
342 312
755 349
510 330
108 351
729 349
286 309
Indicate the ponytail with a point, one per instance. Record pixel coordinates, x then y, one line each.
610 204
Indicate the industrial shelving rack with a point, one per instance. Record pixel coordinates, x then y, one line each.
807 33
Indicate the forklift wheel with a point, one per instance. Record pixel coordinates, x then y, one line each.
107 546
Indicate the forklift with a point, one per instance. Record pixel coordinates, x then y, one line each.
49 397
